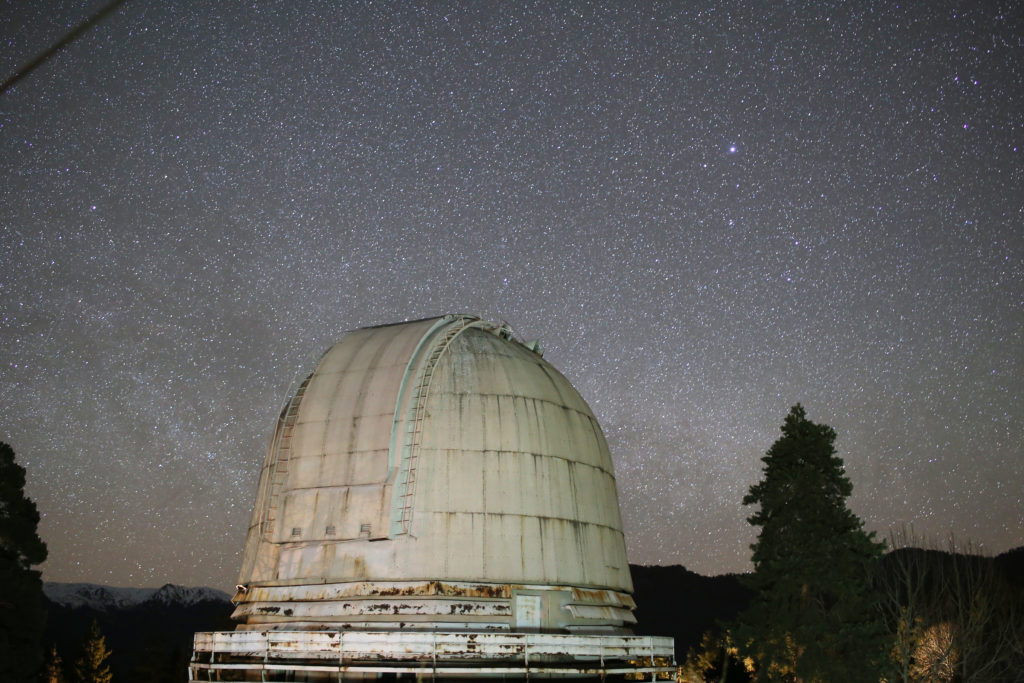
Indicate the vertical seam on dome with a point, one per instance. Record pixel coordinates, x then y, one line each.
266 528
410 406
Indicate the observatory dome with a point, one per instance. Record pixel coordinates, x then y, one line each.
436 475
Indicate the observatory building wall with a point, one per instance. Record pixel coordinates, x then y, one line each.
436 474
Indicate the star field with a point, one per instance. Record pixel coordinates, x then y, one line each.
705 211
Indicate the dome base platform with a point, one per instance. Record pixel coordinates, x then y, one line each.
362 655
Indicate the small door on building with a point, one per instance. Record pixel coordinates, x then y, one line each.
528 608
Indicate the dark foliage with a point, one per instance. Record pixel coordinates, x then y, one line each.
22 606
813 615
151 641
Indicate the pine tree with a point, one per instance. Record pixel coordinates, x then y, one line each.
22 606
91 666
54 667
812 617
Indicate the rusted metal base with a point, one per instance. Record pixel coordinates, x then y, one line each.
359 655
431 606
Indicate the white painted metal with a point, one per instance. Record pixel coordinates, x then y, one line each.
528 612
387 645
439 451
428 654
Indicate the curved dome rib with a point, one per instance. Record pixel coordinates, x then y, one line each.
406 429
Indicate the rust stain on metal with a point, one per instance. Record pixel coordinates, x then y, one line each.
484 590
464 608
439 588
584 595
516 499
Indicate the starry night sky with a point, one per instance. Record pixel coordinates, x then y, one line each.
706 212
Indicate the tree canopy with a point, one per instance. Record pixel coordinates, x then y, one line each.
19 541
22 607
812 617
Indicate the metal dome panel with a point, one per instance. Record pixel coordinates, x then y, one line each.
440 451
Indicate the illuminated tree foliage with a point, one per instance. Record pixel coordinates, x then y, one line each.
954 614
715 659
22 606
91 666
54 667
812 617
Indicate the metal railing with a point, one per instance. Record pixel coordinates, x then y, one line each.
428 654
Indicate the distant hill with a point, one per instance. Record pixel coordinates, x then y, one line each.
148 630
673 601
1009 565
1012 564
107 598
